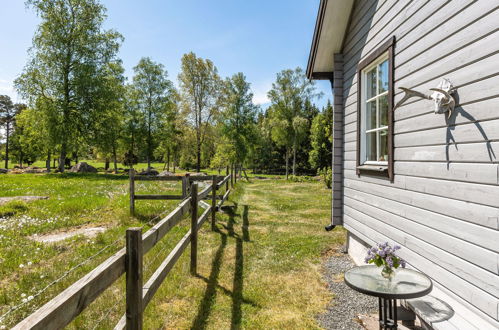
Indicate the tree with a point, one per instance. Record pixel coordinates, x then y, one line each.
109 120
68 58
199 87
7 115
320 139
154 93
29 138
238 114
288 95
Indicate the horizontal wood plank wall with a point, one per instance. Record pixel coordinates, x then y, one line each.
443 205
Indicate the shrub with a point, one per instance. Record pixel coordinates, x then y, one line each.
326 176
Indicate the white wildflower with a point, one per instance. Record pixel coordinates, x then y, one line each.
23 295
21 266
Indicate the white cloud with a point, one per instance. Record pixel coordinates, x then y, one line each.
6 88
260 93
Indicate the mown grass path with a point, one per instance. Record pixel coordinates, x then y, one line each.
261 268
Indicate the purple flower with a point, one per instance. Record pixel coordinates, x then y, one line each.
389 261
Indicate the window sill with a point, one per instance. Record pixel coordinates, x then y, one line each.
374 168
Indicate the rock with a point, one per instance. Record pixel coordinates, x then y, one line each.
5 200
3 171
197 174
166 173
83 168
149 171
34 169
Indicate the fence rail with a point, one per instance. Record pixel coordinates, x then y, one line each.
66 306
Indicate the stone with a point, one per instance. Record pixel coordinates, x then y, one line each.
149 171
3 171
83 168
166 173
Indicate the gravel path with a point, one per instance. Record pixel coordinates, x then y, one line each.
342 311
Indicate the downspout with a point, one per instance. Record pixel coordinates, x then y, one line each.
337 152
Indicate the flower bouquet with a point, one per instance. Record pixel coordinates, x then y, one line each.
383 255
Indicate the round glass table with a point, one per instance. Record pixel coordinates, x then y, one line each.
405 284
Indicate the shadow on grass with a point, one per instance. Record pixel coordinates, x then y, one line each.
200 322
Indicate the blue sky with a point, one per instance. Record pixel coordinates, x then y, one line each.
256 37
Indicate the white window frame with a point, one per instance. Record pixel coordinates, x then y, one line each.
363 151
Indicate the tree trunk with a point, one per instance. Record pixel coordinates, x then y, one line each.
115 160
7 146
168 160
106 164
47 163
287 163
294 157
62 157
198 154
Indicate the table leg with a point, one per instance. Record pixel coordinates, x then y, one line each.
388 313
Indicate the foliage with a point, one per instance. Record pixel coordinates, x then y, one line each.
238 116
320 139
288 95
326 176
199 89
66 69
8 113
155 95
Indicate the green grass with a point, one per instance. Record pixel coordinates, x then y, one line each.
260 268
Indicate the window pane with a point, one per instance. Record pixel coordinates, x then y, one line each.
383 145
371 146
383 111
371 115
383 77
371 83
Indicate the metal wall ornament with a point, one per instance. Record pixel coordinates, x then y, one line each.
441 96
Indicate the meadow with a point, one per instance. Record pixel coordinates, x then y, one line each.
260 268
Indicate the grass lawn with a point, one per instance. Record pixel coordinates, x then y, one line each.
259 269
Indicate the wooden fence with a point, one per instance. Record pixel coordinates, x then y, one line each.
62 309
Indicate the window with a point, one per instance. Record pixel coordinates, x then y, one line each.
374 121
374 124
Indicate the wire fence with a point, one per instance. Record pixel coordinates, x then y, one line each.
31 298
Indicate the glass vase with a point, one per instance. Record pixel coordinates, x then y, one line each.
388 272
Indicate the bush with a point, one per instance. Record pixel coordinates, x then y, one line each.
302 178
327 176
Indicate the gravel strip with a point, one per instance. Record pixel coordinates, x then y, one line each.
342 311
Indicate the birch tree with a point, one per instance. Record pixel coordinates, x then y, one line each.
199 90
288 95
66 61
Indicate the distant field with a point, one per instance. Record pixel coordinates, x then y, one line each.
260 269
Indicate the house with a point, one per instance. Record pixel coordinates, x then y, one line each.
420 171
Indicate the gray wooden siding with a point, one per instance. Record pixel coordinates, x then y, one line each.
443 205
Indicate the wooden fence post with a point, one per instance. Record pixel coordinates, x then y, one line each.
213 201
134 279
185 182
194 225
227 182
235 173
131 174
